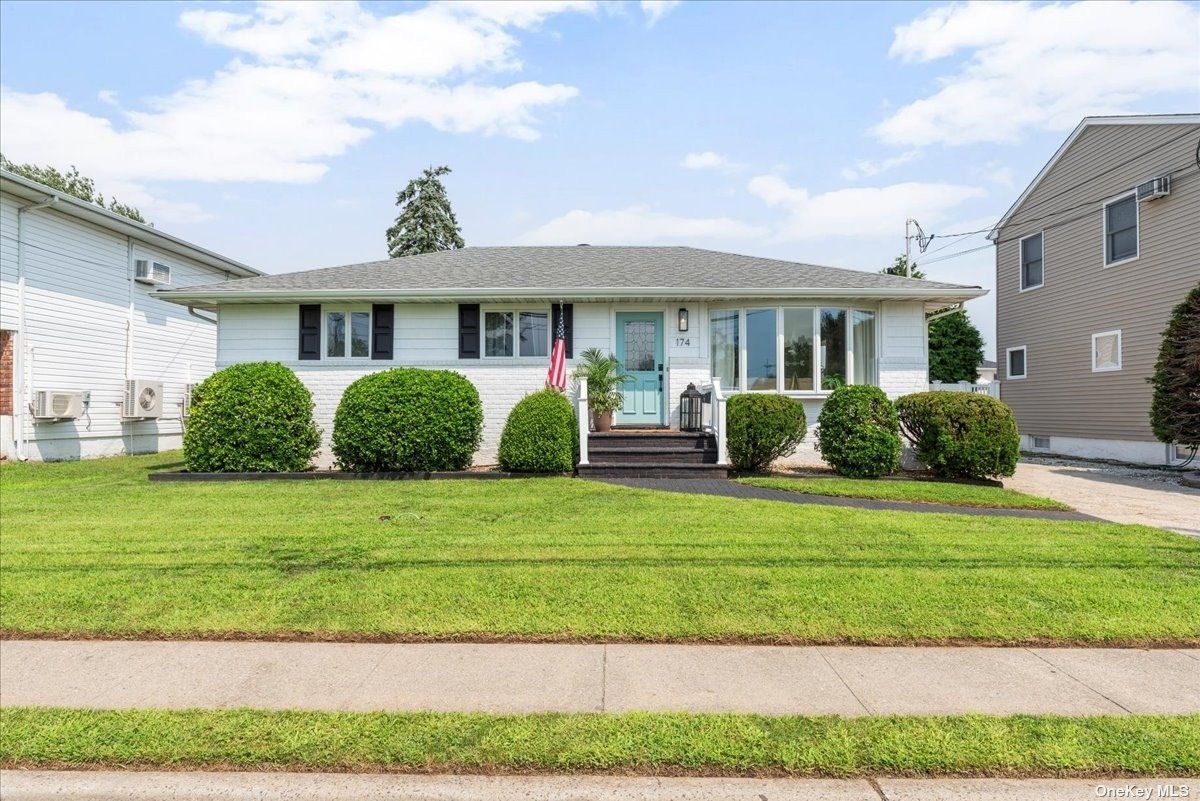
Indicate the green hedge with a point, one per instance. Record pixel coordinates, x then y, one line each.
961 434
540 435
761 429
406 419
858 433
250 418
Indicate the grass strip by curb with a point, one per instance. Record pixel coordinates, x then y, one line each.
910 491
681 744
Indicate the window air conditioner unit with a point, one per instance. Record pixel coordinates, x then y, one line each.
57 404
143 400
1154 188
151 272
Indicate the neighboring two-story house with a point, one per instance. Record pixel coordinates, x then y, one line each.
1090 261
91 362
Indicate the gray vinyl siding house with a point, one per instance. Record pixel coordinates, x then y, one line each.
1087 273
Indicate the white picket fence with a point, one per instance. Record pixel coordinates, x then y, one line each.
991 388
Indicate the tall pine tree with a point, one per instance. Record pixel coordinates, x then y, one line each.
1175 408
426 222
955 349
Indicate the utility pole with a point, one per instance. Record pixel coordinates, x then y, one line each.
908 248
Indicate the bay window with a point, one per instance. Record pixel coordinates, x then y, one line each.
723 328
793 348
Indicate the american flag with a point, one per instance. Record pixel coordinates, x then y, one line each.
556 376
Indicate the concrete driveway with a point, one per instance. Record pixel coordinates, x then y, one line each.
1120 494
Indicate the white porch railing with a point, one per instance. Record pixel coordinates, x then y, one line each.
718 402
991 388
581 415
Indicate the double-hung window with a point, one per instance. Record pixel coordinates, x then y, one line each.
1121 229
516 333
1031 262
347 333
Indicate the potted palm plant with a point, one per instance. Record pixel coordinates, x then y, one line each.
604 380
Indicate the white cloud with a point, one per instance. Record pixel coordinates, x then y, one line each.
865 168
707 160
657 9
1041 67
636 225
1002 176
311 81
858 212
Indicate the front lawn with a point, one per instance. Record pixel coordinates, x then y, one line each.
973 745
910 490
94 549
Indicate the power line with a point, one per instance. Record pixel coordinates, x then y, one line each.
1175 182
1090 179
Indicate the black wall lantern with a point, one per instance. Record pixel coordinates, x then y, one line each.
691 403
683 319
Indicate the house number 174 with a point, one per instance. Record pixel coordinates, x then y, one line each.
683 342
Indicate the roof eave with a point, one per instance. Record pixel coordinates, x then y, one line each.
211 299
89 212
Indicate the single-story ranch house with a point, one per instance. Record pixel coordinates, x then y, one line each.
672 315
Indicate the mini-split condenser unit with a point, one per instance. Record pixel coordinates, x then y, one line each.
143 399
57 404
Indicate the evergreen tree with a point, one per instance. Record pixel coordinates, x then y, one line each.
70 183
426 222
897 268
955 349
1175 407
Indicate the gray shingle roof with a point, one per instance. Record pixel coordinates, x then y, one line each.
571 268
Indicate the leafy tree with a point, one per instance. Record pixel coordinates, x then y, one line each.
897 268
70 183
1175 407
955 349
426 222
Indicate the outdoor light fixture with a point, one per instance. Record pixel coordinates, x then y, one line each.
683 319
691 404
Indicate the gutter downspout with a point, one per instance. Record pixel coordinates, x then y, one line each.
20 347
192 311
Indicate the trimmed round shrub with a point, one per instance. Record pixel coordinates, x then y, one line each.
406 419
250 418
761 429
858 433
540 435
961 434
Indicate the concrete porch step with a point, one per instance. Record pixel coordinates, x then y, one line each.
648 469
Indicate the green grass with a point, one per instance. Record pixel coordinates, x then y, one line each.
94 549
640 742
913 491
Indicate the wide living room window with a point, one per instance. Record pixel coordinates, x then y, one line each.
794 349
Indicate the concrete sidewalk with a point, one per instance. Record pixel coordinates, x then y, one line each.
160 786
505 678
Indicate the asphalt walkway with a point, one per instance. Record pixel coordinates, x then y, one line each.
731 489
230 786
524 678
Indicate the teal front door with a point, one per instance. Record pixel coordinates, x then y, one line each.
640 352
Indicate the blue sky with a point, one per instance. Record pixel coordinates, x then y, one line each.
278 134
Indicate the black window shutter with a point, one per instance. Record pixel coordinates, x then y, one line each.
383 318
468 330
310 331
567 310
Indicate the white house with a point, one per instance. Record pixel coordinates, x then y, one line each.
79 320
673 315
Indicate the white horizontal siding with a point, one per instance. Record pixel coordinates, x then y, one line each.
81 309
